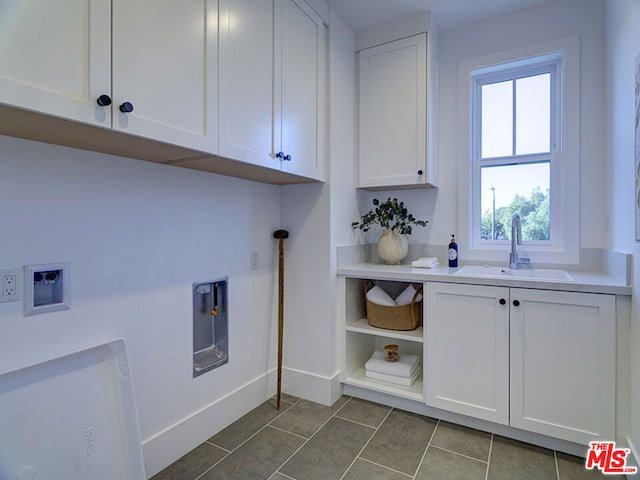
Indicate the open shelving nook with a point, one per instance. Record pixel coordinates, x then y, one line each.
362 339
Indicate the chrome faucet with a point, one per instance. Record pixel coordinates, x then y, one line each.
516 239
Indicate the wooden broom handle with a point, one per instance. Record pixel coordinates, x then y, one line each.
280 235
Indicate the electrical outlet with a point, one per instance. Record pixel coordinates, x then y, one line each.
255 260
10 285
89 441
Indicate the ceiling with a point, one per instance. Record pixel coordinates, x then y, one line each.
364 14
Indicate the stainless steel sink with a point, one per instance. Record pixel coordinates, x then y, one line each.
539 274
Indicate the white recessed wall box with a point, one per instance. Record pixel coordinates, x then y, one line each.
46 288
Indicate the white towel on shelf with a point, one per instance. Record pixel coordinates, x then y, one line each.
407 382
406 296
403 368
379 296
427 262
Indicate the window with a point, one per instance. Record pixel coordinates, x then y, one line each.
522 155
515 130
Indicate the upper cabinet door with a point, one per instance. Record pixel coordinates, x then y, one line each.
55 57
247 82
300 100
393 115
165 67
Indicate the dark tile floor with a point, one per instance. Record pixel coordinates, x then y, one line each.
359 440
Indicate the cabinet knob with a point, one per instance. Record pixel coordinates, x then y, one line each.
502 301
516 303
104 100
280 155
126 107
287 158
420 172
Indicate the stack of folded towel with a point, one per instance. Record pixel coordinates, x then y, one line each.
427 262
379 296
403 372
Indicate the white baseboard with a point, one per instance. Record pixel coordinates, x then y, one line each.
167 446
310 386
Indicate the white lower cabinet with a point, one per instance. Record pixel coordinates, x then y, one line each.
563 364
467 350
542 361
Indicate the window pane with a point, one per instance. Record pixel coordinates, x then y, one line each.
533 114
497 119
516 188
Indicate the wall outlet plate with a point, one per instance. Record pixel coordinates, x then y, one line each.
10 285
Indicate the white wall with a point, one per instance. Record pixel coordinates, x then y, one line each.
317 218
548 21
623 43
342 131
137 236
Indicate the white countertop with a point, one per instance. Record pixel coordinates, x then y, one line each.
590 282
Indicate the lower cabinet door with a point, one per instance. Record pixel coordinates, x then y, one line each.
467 350
563 364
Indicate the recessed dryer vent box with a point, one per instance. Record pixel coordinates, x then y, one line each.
46 288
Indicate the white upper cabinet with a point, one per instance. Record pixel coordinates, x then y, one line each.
272 85
165 67
301 49
247 81
55 57
396 138
86 61
189 82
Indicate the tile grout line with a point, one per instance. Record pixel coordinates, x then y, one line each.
486 475
355 422
555 461
280 473
458 454
218 446
384 466
307 440
424 454
286 431
241 444
367 443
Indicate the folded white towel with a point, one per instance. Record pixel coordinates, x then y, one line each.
427 262
407 382
403 368
379 296
406 296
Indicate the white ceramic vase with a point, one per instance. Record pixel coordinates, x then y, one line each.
392 247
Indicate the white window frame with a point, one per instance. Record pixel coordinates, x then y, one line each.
564 246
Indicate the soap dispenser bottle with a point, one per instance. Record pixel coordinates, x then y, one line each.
453 252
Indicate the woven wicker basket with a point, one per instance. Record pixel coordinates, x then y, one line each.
403 317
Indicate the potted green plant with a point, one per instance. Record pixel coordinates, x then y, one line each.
396 222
